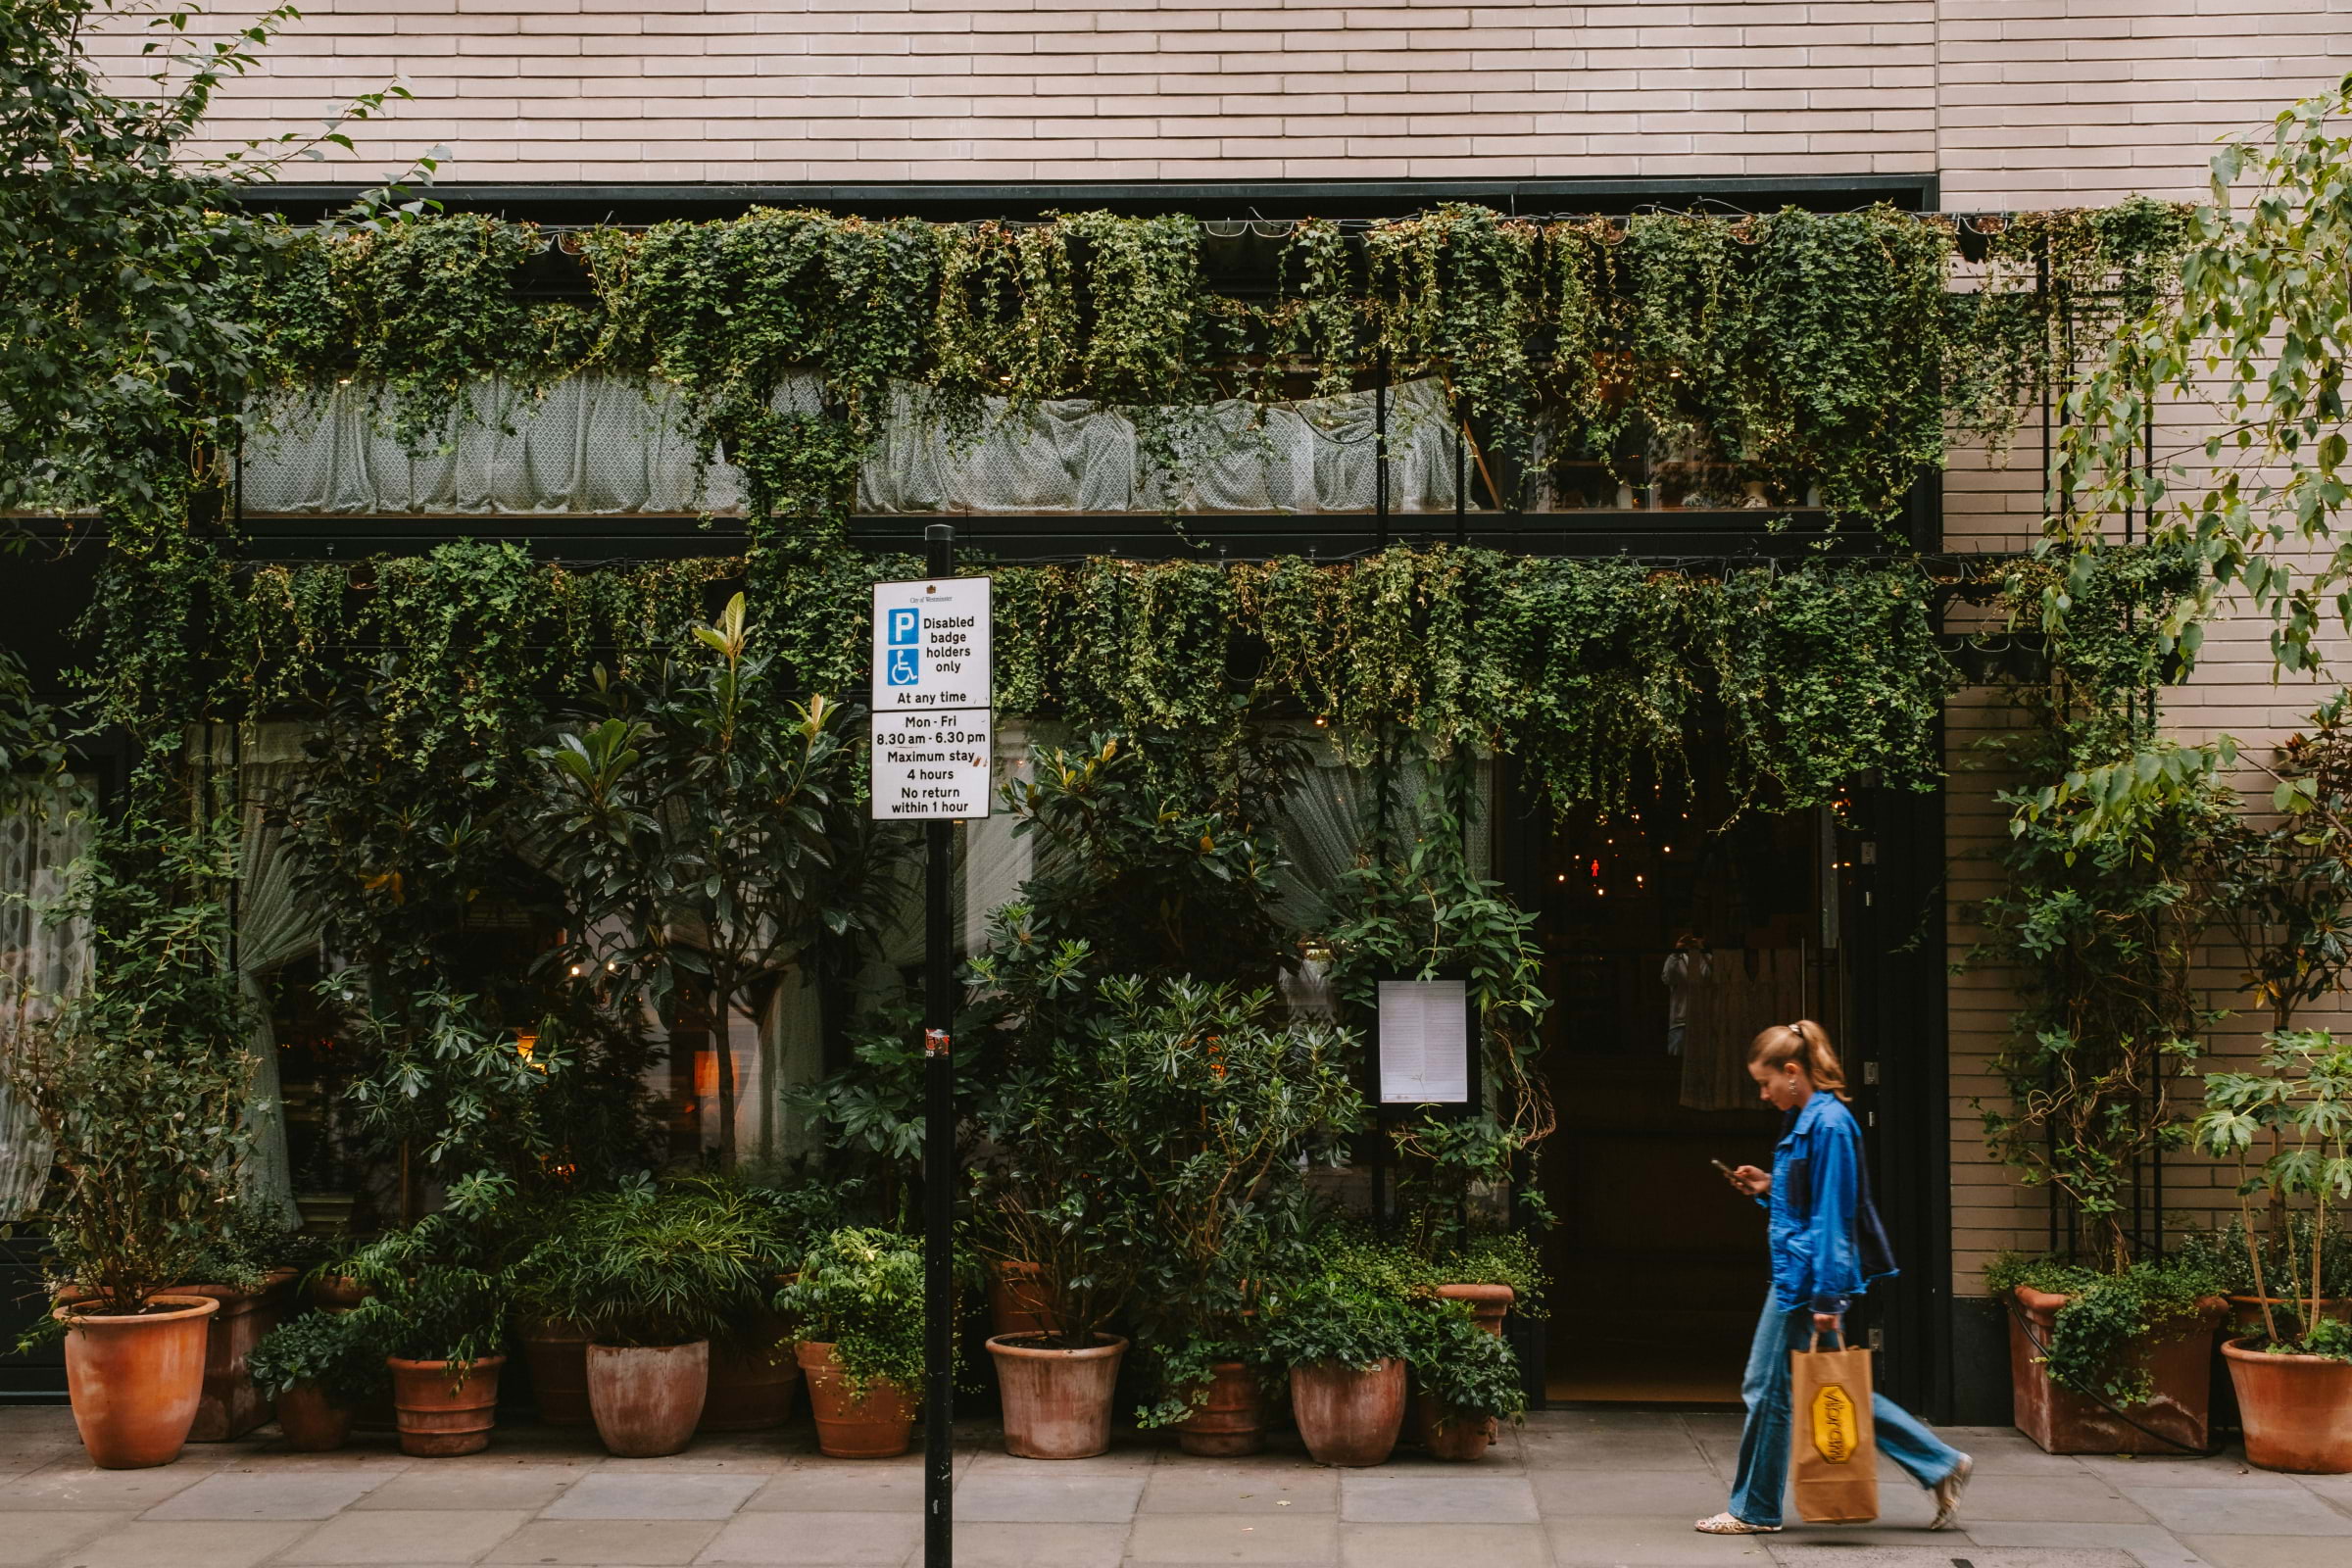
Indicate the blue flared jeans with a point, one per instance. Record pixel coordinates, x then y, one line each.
1763 1476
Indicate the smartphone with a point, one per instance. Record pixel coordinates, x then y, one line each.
1729 1174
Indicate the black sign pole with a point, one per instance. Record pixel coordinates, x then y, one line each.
939 1160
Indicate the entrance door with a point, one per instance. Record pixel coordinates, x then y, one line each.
1670 940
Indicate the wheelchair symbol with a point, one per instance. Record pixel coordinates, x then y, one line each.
904 629
906 666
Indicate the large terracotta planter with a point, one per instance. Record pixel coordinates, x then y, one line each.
2245 1311
1489 1303
647 1399
754 1377
135 1380
1056 1402
1232 1421
443 1411
311 1422
2297 1410
2177 1416
1016 1298
876 1423
337 1293
1348 1417
231 1406
557 1354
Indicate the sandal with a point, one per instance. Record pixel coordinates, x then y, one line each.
1731 1523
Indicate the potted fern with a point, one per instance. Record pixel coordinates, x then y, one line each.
2293 1375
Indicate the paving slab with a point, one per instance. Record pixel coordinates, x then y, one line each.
1031 1546
265 1494
2007 1451
1946 1556
1663 1447
816 1538
1225 1538
78 1484
1379 1496
405 1537
607 1542
2128 1472
1619 1541
840 1486
2264 1552
1567 1493
1243 1485
654 1495
520 1486
28 1540
1045 1493
2082 1498
2152 1545
2244 1511
193 1544
1392 1546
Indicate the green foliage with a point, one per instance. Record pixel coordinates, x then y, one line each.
330 1348
139 1079
2098 1338
2225 1252
862 1291
439 1289
647 1266
1470 1373
2255 334
692 808
2288 886
2299 1105
1331 1319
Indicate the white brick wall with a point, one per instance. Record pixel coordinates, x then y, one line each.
2017 102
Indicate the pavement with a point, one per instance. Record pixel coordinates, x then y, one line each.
1575 1489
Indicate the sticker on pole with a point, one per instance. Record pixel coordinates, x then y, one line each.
934 701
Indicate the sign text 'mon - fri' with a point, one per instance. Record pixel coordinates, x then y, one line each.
933 720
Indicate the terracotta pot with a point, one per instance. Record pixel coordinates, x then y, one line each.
1233 1421
231 1406
1056 1402
135 1380
337 1293
1489 1303
647 1398
877 1423
2179 1363
753 1379
2245 1311
557 1354
1445 1434
1016 1298
443 1411
313 1423
1348 1417
2297 1410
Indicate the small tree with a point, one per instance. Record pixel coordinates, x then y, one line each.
2303 1099
707 834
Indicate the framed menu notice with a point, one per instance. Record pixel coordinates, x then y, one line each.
1425 1043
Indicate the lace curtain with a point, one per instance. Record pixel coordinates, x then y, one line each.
605 445
41 961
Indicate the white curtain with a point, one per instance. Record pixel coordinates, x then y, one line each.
41 961
611 445
1324 819
273 928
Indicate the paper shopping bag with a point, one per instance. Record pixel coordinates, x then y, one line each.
1834 1452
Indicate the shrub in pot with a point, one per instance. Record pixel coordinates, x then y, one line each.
1466 1378
316 1370
1345 1344
138 1085
858 1297
650 1276
2090 1345
754 1376
438 1295
250 1267
2293 1374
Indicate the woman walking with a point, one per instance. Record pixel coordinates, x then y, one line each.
1827 1246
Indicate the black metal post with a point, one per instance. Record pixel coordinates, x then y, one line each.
939 1159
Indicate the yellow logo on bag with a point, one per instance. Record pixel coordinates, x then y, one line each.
1833 1423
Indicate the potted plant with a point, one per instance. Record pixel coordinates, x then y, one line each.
1346 1342
250 1267
438 1294
650 1276
1462 1377
139 1091
858 1301
316 1370
2293 1376
2110 1360
754 1376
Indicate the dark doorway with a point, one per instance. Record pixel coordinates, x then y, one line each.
1674 929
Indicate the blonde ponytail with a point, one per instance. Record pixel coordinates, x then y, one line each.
1805 1041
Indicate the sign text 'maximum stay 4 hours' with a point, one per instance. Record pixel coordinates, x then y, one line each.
933 697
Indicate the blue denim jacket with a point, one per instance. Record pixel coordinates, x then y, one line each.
1827 1242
